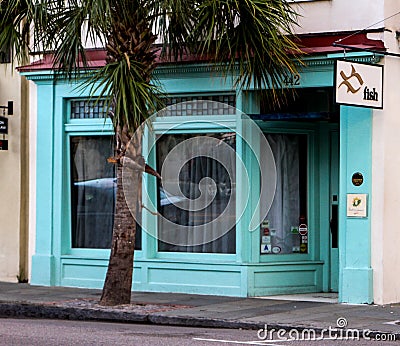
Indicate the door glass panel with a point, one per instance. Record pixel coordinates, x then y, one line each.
280 231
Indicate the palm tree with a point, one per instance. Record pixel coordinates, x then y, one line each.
253 36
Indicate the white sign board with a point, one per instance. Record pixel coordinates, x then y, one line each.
357 205
359 84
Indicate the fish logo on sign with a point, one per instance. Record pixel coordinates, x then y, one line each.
346 80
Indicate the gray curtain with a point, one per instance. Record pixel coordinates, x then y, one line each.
217 187
93 191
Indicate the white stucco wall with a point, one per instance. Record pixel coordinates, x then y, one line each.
338 15
10 178
386 172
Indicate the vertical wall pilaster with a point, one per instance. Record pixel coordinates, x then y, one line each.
355 282
43 259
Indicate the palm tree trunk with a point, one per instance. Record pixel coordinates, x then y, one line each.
118 283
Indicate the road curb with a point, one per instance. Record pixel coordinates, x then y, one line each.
202 322
43 311
30 310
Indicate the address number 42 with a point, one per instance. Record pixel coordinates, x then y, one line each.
291 80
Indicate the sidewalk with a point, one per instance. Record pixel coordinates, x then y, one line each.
25 301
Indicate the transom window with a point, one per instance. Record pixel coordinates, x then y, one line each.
88 109
222 105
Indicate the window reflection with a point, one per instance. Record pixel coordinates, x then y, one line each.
92 191
218 189
93 188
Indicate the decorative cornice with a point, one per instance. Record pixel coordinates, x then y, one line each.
190 69
39 76
307 62
330 61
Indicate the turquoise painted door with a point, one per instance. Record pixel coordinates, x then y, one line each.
334 212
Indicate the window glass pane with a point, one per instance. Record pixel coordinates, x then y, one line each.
218 187
280 229
92 191
93 188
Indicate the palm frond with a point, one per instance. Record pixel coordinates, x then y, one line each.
131 98
173 23
15 19
251 36
254 35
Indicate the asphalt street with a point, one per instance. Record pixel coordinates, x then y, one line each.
72 316
15 332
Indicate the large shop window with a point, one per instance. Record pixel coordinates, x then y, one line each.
280 229
93 179
92 191
213 234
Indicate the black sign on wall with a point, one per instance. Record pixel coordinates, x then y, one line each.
357 179
3 144
3 125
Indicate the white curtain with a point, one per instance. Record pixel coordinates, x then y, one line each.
285 210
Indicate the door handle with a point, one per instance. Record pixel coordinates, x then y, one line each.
334 225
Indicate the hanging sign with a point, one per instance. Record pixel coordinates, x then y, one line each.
3 125
359 84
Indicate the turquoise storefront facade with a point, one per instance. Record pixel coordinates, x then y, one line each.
345 268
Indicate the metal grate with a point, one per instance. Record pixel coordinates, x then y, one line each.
88 109
180 106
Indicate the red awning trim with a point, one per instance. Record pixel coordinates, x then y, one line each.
323 44
95 58
310 44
